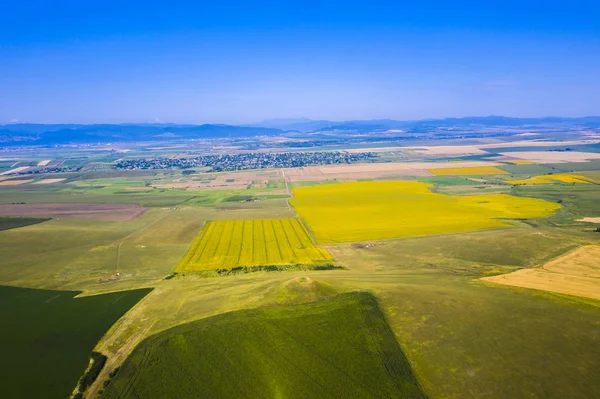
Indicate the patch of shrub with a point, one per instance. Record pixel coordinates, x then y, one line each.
98 362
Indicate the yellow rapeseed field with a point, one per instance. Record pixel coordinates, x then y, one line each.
227 244
468 171
361 211
553 179
520 162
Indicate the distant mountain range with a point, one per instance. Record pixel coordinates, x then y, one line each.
308 126
45 134
40 134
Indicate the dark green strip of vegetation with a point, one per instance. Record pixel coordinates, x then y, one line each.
7 223
254 269
98 362
238 198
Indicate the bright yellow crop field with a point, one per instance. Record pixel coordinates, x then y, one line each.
468 171
520 162
361 211
553 179
226 244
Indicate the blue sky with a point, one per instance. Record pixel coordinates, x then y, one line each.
241 62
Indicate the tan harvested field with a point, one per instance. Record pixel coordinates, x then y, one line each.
15 170
449 150
535 143
106 212
553 156
14 182
373 170
590 220
219 181
475 149
49 181
44 162
576 273
377 149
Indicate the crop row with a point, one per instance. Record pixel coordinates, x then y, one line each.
233 243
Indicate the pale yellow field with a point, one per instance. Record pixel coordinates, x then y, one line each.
589 220
362 211
50 181
576 273
469 171
553 156
15 170
227 244
553 179
45 162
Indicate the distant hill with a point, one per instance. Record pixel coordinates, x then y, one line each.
39 134
310 126
46 134
302 125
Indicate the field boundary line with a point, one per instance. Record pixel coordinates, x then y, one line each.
135 232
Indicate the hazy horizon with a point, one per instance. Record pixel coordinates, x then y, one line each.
238 63
290 120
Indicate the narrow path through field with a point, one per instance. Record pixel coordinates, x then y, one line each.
287 201
134 233
287 188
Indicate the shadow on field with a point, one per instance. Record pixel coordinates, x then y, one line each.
336 348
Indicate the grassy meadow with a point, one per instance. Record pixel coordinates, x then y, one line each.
48 336
340 347
228 244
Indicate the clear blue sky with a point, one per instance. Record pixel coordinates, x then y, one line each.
238 62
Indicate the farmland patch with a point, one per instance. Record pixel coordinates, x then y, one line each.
576 273
359 211
555 178
16 222
336 348
468 171
228 244
111 212
48 336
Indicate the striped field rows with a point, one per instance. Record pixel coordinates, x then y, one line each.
226 244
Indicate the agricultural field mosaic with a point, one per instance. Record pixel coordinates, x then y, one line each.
468 171
359 211
568 178
228 244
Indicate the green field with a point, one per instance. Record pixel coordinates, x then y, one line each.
341 347
47 337
7 223
228 244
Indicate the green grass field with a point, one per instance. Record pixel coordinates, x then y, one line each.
336 348
47 337
7 223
